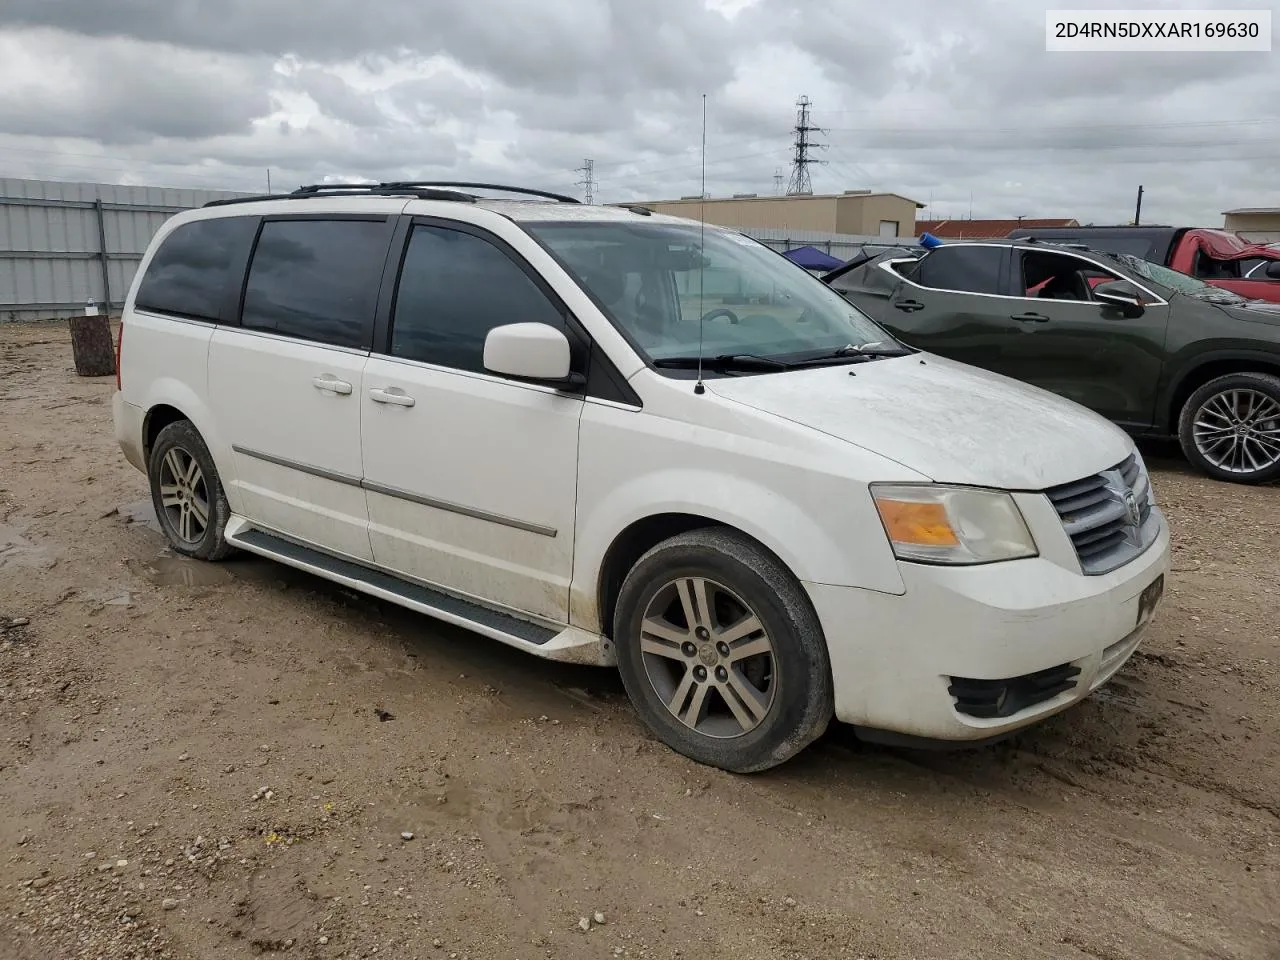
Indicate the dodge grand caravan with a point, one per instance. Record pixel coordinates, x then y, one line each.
610 437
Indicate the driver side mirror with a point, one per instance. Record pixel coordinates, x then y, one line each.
1273 270
1118 293
534 352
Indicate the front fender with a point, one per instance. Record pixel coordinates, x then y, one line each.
1190 363
834 536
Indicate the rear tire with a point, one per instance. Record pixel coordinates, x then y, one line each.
722 653
187 493
1229 428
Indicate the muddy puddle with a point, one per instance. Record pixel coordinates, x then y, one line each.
171 570
17 551
142 514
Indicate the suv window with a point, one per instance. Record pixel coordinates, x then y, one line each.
190 275
454 288
316 279
1058 276
963 269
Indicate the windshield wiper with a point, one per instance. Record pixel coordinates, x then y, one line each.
724 361
852 353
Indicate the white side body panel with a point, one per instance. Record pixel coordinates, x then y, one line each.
293 435
473 486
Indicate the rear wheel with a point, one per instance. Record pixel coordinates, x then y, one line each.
1230 428
721 652
187 493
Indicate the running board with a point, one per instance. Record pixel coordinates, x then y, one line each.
569 644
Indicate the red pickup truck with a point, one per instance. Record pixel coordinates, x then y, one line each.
1215 256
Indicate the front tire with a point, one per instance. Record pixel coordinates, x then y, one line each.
1229 428
721 652
187 493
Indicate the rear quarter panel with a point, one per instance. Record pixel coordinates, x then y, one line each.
164 361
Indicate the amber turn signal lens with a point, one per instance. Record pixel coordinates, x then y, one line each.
922 524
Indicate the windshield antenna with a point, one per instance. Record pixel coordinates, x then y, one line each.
698 387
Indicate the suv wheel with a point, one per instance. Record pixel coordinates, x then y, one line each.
1230 428
190 503
721 652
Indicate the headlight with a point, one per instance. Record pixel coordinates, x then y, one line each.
954 525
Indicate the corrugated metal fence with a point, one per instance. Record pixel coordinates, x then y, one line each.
64 244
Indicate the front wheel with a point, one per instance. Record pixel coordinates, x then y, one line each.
1230 428
721 652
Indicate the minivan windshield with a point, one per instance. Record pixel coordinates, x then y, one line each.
657 281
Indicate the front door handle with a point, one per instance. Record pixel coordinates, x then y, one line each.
1030 318
909 306
391 395
331 383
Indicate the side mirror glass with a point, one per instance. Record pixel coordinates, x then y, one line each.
1118 293
1273 270
530 351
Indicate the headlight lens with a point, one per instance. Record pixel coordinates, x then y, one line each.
954 525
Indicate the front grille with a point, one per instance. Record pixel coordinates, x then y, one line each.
1108 516
988 699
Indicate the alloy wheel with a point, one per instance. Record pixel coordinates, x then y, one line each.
183 495
1238 431
708 656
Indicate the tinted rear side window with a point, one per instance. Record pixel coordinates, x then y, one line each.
316 279
194 272
963 269
454 288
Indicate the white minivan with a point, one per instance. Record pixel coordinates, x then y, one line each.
611 437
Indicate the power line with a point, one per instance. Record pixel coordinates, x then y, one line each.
801 182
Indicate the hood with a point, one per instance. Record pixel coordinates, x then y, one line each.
949 421
1264 311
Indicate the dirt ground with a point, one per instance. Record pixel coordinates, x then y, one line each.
224 761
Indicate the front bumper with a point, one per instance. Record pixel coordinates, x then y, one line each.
127 419
894 658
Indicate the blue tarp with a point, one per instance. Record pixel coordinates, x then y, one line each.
811 258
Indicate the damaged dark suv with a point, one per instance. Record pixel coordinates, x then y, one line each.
1158 352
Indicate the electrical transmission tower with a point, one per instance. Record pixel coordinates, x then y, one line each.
588 181
801 183
778 181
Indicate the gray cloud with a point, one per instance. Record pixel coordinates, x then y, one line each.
338 99
127 92
941 101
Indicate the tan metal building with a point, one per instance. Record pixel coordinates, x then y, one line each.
1260 224
858 212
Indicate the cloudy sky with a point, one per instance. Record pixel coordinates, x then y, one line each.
956 104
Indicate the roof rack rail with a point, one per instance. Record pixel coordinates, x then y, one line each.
413 184
253 198
417 189
421 192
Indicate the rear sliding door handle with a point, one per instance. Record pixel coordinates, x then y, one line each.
391 395
1030 318
331 383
